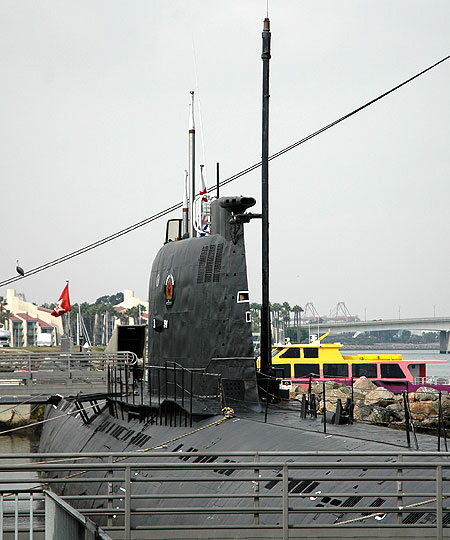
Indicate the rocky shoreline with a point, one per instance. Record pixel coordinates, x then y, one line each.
377 405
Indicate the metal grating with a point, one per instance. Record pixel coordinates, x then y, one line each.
202 265
218 262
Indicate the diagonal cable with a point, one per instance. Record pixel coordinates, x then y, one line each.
251 168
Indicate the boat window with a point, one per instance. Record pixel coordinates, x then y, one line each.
392 371
275 351
335 370
364 370
282 371
292 352
304 370
311 352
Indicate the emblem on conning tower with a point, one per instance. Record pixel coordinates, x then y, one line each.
169 286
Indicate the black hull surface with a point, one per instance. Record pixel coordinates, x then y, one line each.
283 431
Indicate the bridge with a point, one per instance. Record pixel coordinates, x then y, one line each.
430 324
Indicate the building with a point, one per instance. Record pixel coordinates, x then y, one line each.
28 322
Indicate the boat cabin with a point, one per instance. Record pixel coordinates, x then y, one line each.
300 363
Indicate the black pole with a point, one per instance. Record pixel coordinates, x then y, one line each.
217 179
439 422
407 419
265 309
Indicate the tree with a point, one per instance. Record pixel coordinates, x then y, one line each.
256 316
111 300
276 310
135 313
5 314
297 310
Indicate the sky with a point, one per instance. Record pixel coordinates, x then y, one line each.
94 106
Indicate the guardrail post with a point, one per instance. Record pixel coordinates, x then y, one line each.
16 517
256 490
399 490
127 535
31 502
285 509
439 532
109 488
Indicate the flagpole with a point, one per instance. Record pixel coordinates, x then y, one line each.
69 333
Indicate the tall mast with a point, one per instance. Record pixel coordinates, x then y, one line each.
265 338
185 209
191 168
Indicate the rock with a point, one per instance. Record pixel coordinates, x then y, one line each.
338 393
380 396
426 394
398 412
362 413
364 384
422 409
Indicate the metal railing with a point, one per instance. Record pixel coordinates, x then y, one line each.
30 373
37 514
432 379
277 495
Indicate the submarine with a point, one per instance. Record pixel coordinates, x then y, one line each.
200 390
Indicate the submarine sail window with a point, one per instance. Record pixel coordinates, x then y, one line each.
242 296
173 230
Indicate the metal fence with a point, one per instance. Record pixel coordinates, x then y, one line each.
39 514
284 495
29 373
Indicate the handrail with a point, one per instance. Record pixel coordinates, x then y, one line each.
432 379
268 493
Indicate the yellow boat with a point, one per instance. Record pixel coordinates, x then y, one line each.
302 362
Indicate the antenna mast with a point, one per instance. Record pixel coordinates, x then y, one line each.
191 169
265 339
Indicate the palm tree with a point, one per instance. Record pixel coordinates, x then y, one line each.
256 316
297 310
286 315
4 313
276 310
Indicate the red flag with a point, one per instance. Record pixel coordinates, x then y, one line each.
63 303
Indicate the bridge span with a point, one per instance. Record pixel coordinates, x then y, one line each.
430 324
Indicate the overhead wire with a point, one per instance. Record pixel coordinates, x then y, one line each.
249 169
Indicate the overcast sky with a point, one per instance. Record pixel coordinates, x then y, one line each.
94 118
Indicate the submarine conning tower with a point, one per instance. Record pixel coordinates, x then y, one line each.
200 318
